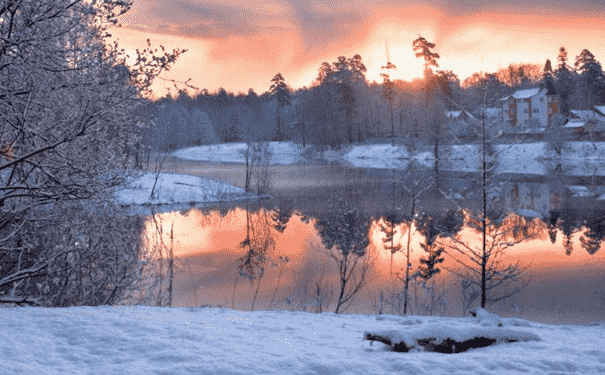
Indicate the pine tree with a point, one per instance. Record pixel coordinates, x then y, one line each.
389 91
433 90
591 74
282 92
564 82
423 48
389 229
547 72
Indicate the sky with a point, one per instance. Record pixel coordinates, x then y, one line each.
242 44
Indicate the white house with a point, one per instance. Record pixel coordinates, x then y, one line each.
460 123
530 109
531 196
596 113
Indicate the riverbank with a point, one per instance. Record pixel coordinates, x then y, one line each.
215 173
581 158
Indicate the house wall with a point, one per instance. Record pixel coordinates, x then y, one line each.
522 112
539 103
532 196
509 111
553 108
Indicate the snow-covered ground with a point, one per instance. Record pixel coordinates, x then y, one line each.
152 340
177 188
580 158
282 153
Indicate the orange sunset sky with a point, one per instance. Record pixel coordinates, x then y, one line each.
242 44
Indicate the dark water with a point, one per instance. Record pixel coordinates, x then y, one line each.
564 283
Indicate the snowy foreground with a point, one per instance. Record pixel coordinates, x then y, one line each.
153 340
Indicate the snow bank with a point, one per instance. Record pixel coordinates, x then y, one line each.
176 188
282 153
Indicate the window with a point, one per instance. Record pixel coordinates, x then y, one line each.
525 110
536 110
542 99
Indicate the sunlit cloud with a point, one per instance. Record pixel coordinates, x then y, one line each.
243 44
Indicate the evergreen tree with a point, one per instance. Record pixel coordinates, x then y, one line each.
547 72
340 84
564 82
592 81
348 74
389 92
282 92
434 96
423 48
390 228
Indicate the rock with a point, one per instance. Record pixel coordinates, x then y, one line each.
448 346
458 337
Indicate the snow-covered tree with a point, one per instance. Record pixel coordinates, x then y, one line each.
592 81
557 137
67 100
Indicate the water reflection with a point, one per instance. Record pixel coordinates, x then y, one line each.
271 254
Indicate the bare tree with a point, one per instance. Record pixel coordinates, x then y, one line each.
344 233
258 243
66 112
283 260
262 167
414 187
557 138
499 230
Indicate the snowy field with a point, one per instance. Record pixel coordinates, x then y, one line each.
145 340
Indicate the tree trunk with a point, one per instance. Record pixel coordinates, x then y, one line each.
170 266
279 135
247 183
407 265
343 283
484 219
392 128
262 272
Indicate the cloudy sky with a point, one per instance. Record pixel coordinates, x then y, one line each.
242 44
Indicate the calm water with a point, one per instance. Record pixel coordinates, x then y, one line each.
562 287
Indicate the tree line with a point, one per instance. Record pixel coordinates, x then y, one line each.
341 106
